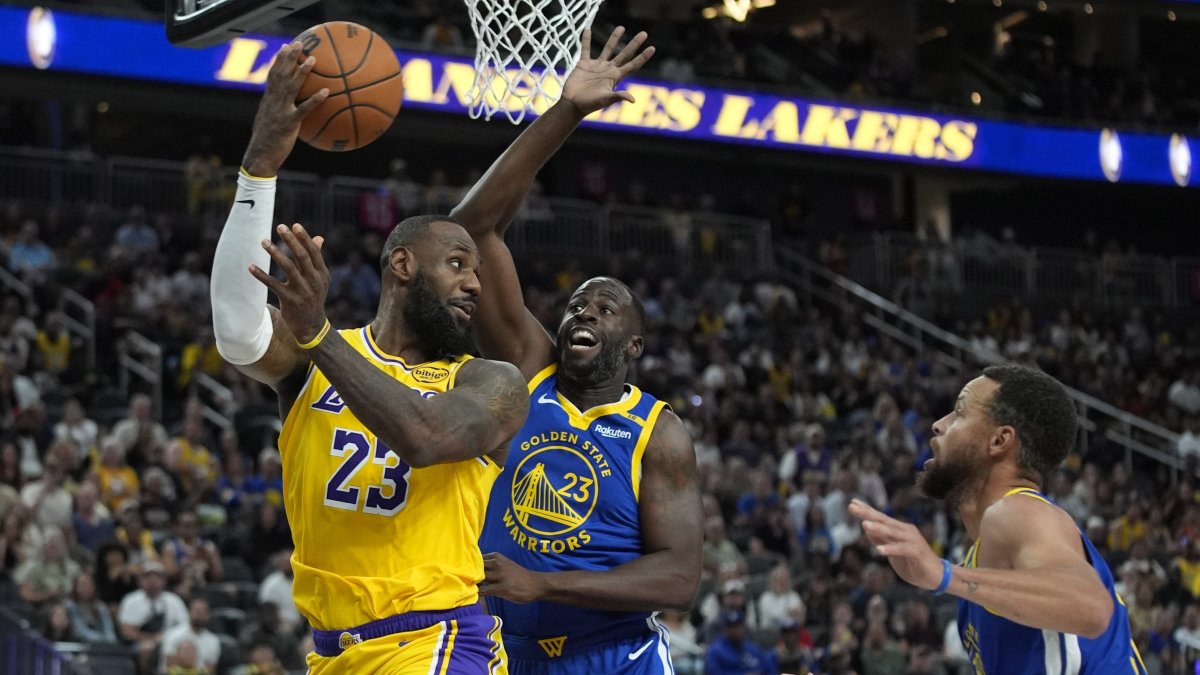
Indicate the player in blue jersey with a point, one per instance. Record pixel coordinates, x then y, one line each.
595 523
1035 596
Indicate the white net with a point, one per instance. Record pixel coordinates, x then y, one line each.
524 50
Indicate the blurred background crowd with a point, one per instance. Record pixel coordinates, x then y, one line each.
157 525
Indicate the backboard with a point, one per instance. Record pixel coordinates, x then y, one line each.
201 23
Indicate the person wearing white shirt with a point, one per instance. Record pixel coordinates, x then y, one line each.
76 427
46 498
147 613
780 601
1188 444
277 589
196 633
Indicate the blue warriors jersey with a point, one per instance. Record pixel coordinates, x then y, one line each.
568 500
374 537
997 646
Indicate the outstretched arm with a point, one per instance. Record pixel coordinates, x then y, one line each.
506 330
475 418
249 334
1041 578
665 577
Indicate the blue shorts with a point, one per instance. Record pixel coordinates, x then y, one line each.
646 654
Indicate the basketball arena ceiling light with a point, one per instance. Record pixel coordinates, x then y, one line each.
738 10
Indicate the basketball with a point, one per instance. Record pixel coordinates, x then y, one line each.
365 86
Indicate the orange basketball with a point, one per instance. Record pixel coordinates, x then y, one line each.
365 87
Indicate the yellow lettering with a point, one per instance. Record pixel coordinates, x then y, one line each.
532 544
557 546
238 65
958 139
783 123
925 145
572 543
418 80
545 546
535 441
683 108
733 115
509 521
456 78
826 126
605 473
875 130
520 539
584 537
905 136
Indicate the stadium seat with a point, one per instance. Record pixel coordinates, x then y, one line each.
237 570
227 620
231 653
110 659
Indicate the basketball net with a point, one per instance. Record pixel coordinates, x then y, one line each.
523 53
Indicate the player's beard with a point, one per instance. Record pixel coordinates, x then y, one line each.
605 366
950 476
435 326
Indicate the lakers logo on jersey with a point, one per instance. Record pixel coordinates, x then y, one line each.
553 646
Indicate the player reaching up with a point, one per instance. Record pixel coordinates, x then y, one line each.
595 524
1035 596
392 434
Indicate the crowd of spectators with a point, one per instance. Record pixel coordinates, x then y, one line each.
142 524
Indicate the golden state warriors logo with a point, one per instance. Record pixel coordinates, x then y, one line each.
554 491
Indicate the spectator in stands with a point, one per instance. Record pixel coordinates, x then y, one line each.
1188 445
268 482
192 464
115 577
119 483
812 458
1185 392
260 661
135 237
140 436
780 603
134 537
195 632
734 654
147 613
265 628
880 655
56 623
92 521
442 35
77 428
11 475
686 653
1127 529
54 345
47 497
49 575
276 589
189 560
29 257
90 619
266 534
719 551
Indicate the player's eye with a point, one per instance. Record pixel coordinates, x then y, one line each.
456 263
606 310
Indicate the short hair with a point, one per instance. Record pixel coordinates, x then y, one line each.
408 232
1038 408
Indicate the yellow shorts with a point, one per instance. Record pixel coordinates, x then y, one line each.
467 646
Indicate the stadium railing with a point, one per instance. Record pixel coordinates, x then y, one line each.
1059 275
24 651
1132 433
140 357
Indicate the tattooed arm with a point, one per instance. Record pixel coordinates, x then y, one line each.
477 417
667 574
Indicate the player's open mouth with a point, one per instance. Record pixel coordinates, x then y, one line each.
582 340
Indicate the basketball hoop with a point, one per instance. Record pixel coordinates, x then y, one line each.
523 53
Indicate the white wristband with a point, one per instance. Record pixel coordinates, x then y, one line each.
241 320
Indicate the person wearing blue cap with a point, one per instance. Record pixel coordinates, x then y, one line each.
733 654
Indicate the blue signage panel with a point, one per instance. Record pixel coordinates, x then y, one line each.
127 48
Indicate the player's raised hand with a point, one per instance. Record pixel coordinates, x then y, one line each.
592 84
302 292
277 122
902 543
506 579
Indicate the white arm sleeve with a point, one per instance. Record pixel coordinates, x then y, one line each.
241 321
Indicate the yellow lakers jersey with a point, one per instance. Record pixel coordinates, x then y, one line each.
375 537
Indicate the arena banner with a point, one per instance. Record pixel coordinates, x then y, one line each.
134 49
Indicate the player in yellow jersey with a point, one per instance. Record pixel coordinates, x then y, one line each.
392 435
